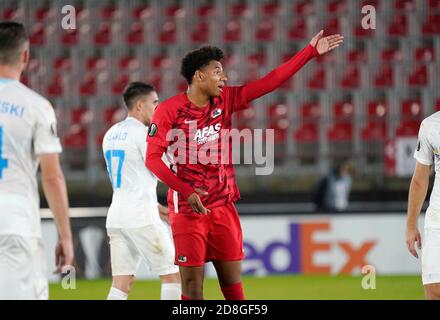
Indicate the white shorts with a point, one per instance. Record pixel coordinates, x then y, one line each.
151 244
22 269
431 256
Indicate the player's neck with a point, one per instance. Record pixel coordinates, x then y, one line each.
197 97
9 72
138 118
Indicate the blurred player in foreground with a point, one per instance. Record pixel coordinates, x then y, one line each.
134 226
204 221
427 155
27 137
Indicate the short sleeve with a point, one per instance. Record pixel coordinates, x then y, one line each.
424 151
141 142
45 138
234 98
161 124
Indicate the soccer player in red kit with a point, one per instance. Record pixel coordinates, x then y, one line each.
201 198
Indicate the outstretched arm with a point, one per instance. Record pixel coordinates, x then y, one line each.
319 45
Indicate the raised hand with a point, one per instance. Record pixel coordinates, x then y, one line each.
326 44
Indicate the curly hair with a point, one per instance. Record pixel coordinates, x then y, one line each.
197 59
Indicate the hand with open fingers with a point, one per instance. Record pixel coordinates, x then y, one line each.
326 44
64 254
195 202
413 237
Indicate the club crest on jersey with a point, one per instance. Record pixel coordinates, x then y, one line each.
216 113
152 130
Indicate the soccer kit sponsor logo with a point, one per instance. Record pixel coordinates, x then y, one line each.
182 259
209 133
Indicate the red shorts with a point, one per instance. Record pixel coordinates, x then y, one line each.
199 238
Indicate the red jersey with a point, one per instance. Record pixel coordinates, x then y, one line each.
202 134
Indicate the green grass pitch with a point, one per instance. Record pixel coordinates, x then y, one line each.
272 287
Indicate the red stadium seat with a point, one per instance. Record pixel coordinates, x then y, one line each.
70 37
206 10
361 32
432 24
376 128
111 115
343 116
298 29
233 31
271 8
357 56
434 4
391 55
120 84
129 62
175 11
76 137
410 118
136 33
156 81
94 63
37 35
239 10
80 115
399 25
182 85
12 13
110 12
161 62
425 54
333 26
56 87
244 119
437 105
257 59
278 119
404 4
200 33
168 32
62 63
43 13
88 86
265 30
337 6
351 78
385 77
419 77
142 11
317 80
308 130
305 7
104 34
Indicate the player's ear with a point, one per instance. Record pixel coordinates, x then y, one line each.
199 75
25 56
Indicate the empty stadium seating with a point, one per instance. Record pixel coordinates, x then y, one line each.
118 41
